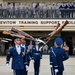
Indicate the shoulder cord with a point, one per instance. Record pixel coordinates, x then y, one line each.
53 51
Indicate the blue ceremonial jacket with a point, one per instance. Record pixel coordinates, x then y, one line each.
36 55
17 59
57 56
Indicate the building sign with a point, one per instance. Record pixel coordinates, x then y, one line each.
24 22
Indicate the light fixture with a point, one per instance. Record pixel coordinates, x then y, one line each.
21 27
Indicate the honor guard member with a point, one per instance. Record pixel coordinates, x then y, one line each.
57 56
17 53
36 56
27 56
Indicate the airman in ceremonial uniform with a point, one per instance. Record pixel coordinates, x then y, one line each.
57 56
36 56
27 56
17 53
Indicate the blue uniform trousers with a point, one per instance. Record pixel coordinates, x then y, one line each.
19 72
24 71
60 73
36 67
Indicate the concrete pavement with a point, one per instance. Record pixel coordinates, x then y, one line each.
44 68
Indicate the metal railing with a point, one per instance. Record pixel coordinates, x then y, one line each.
39 13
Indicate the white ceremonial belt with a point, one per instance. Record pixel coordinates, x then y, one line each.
55 66
36 53
51 62
25 63
7 61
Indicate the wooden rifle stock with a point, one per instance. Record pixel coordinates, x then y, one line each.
57 26
6 32
49 35
22 33
13 34
56 31
51 32
17 35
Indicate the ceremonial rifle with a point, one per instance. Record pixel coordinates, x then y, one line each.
22 33
47 36
58 29
13 34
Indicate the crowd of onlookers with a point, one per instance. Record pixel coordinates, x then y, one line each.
37 10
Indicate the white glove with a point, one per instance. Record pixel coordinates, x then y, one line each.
51 66
56 70
27 67
7 65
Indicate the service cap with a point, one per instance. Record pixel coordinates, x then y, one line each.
59 41
17 39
